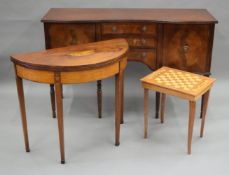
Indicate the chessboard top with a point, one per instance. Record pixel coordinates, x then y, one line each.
178 83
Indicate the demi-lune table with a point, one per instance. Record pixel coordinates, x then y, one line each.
72 65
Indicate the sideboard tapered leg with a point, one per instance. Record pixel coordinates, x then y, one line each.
146 109
99 98
158 96
52 96
163 99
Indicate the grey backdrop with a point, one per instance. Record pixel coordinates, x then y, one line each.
89 141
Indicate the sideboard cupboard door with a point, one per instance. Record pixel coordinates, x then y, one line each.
186 47
60 35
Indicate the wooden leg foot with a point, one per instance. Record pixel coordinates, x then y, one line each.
117 144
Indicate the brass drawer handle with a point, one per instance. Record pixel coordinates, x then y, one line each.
143 55
73 41
144 28
114 28
74 38
143 41
185 48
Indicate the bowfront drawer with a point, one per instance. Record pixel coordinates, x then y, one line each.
129 28
146 56
61 35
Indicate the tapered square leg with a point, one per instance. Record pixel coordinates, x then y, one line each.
52 96
62 89
21 99
157 107
146 109
99 98
192 108
163 98
59 104
118 105
204 111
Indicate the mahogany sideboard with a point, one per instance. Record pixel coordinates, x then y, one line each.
177 38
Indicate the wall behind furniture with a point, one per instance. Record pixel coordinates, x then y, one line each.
22 31
89 142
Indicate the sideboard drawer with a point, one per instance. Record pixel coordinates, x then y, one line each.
129 28
61 35
146 56
136 42
142 42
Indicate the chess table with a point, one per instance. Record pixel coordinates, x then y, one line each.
182 84
72 65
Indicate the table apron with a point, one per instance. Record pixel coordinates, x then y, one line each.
89 75
73 77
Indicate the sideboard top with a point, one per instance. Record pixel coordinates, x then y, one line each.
68 15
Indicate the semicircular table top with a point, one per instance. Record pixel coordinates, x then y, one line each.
76 57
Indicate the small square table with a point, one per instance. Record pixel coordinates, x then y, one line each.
181 84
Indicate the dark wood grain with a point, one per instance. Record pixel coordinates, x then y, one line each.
186 47
68 15
62 35
129 28
145 56
147 31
